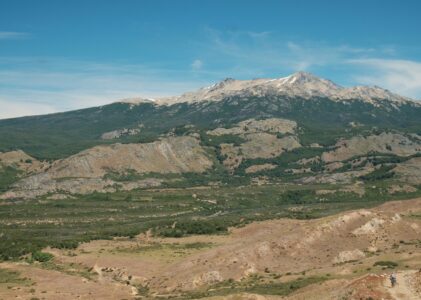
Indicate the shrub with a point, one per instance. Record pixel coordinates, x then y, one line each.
387 264
42 256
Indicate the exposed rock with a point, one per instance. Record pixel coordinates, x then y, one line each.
21 161
264 145
273 125
371 227
344 177
305 161
35 186
410 170
401 188
210 277
348 255
391 143
83 173
258 145
258 168
115 134
170 155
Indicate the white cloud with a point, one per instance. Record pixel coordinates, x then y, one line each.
10 35
197 64
402 76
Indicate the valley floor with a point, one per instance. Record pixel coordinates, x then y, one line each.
345 256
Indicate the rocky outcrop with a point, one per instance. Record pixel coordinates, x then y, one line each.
115 134
170 155
84 172
258 168
390 143
257 145
272 125
261 140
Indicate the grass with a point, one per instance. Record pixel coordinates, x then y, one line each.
11 277
171 246
70 269
8 175
386 264
252 285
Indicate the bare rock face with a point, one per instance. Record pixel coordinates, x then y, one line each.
348 255
115 134
391 143
258 168
84 172
261 140
272 125
258 145
170 155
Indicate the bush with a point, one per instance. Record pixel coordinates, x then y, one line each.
387 264
42 256
189 227
384 172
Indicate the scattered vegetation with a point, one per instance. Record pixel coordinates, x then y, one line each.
387 264
253 285
8 175
11 277
384 172
29 226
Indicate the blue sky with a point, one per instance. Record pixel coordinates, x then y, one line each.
62 55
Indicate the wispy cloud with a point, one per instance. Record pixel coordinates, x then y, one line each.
197 64
244 54
38 85
261 53
12 35
397 75
43 85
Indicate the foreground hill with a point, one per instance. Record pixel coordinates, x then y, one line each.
344 256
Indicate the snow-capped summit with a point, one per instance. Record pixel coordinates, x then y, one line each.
301 84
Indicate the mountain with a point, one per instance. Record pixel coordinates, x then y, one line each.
331 108
299 127
240 127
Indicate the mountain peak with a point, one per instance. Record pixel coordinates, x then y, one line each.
300 84
303 76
